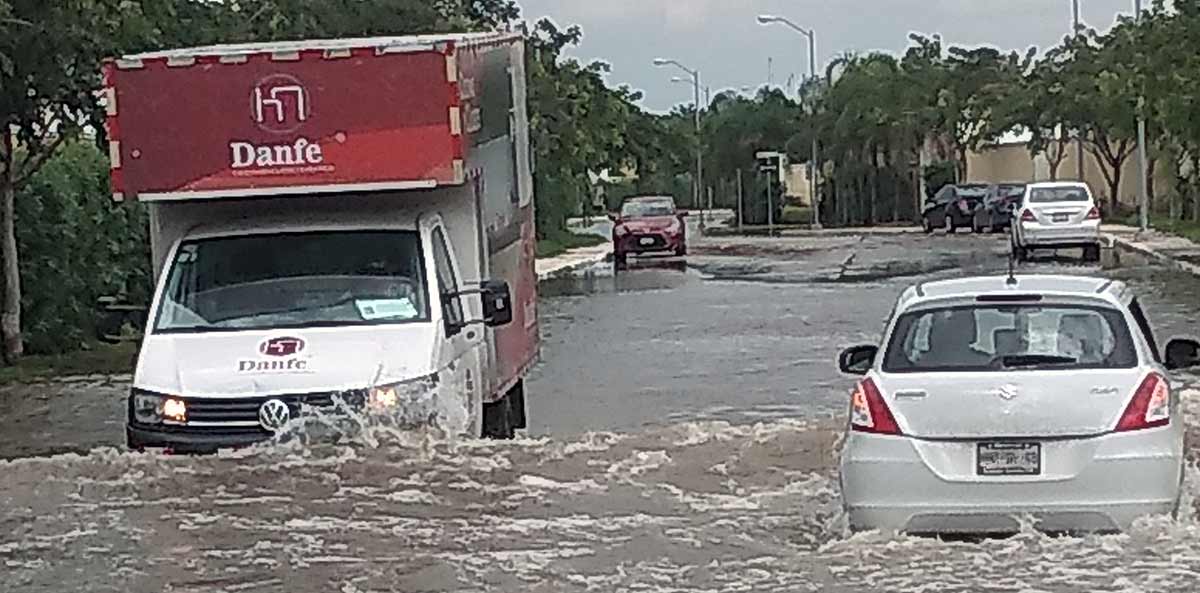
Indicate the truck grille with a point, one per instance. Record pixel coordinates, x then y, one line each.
243 411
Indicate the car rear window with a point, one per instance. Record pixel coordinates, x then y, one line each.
1044 195
1010 337
1011 191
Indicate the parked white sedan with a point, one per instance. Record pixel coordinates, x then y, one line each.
1057 216
994 399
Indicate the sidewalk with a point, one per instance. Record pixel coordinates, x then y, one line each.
1170 250
572 260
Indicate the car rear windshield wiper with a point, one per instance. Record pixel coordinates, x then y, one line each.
1035 360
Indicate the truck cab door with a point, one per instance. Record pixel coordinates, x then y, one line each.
461 352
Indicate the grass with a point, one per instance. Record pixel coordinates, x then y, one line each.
565 241
100 359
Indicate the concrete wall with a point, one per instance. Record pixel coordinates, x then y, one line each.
1012 162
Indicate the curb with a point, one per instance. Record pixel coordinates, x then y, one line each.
1127 246
579 259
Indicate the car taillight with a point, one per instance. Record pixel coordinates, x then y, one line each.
1151 406
1027 216
868 411
1094 214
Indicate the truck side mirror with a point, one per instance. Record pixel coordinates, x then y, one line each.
497 302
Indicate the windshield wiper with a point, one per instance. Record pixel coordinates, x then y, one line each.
1035 360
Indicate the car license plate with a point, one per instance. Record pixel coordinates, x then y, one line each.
647 240
1059 217
1009 459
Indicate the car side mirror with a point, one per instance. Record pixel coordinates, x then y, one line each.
858 360
497 303
1182 354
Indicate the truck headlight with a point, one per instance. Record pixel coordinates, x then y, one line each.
147 408
152 408
392 395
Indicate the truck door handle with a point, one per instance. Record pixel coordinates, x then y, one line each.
913 394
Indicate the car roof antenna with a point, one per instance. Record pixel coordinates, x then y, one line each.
1012 264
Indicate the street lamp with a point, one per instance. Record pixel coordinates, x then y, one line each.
697 192
767 19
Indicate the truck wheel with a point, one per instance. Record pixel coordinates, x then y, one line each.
497 420
517 405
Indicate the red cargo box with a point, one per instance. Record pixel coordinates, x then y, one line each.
304 117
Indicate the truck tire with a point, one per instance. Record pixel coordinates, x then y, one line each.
517 405
497 419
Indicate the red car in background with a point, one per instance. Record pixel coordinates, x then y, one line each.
648 225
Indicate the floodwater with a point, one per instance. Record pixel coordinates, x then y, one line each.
684 430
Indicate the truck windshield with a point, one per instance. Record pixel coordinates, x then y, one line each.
317 279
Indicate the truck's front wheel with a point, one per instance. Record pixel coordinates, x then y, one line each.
497 420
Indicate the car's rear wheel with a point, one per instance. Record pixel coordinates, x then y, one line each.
1091 253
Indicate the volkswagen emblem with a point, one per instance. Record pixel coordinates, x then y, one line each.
1008 392
273 415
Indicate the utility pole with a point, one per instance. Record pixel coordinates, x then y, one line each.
1143 189
1078 133
740 191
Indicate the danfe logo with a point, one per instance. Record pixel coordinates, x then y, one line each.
282 347
281 355
280 105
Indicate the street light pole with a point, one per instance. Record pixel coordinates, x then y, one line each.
1078 133
1143 184
814 164
698 184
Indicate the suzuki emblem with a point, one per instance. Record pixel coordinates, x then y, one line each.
285 346
273 415
1008 392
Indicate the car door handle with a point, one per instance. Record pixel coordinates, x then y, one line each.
912 394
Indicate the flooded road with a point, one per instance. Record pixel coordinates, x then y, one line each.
684 428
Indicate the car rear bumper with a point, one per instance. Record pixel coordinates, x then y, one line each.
1043 235
888 484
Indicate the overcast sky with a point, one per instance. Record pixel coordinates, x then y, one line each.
722 39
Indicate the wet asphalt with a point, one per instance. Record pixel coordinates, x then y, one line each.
683 438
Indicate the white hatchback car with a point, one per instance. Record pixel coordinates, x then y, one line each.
998 398
1057 216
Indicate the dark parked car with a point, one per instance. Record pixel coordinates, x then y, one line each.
648 224
953 207
996 212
